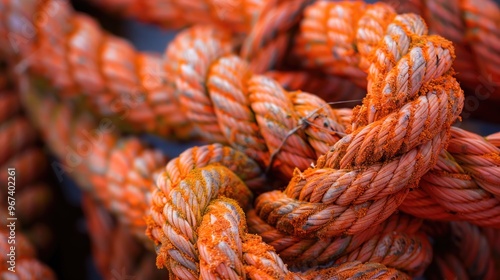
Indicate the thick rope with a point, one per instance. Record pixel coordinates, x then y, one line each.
18 138
463 185
348 154
117 171
232 159
203 109
473 26
20 150
203 233
339 92
383 244
115 250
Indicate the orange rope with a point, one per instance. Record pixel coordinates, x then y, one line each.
358 182
115 249
201 230
116 170
463 185
473 26
376 244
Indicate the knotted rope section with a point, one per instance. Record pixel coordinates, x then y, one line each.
356 185
463 185
396 136
201 229
473 26
397 243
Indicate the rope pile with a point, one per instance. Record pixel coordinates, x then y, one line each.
348 171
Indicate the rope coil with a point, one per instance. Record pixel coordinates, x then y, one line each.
366 168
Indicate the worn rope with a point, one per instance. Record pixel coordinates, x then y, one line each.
237 16
473 26
207 111
231 160
117 171
202 233
20 150
384 244
463 185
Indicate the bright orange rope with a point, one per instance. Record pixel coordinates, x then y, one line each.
395 137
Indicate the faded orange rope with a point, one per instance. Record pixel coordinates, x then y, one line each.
118 171
115 250
20 151
207 111
463 185
201 231
473 26
388 244
348 153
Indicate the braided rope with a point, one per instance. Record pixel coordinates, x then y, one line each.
202 231
471 25
376 244
231 159
180 53
337 91
238 16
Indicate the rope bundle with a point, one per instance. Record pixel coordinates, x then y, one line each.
369 161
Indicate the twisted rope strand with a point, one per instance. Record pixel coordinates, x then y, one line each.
118 171
457 187
191 55
219 231
238 16
409 78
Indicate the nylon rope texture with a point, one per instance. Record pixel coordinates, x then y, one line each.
364 170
